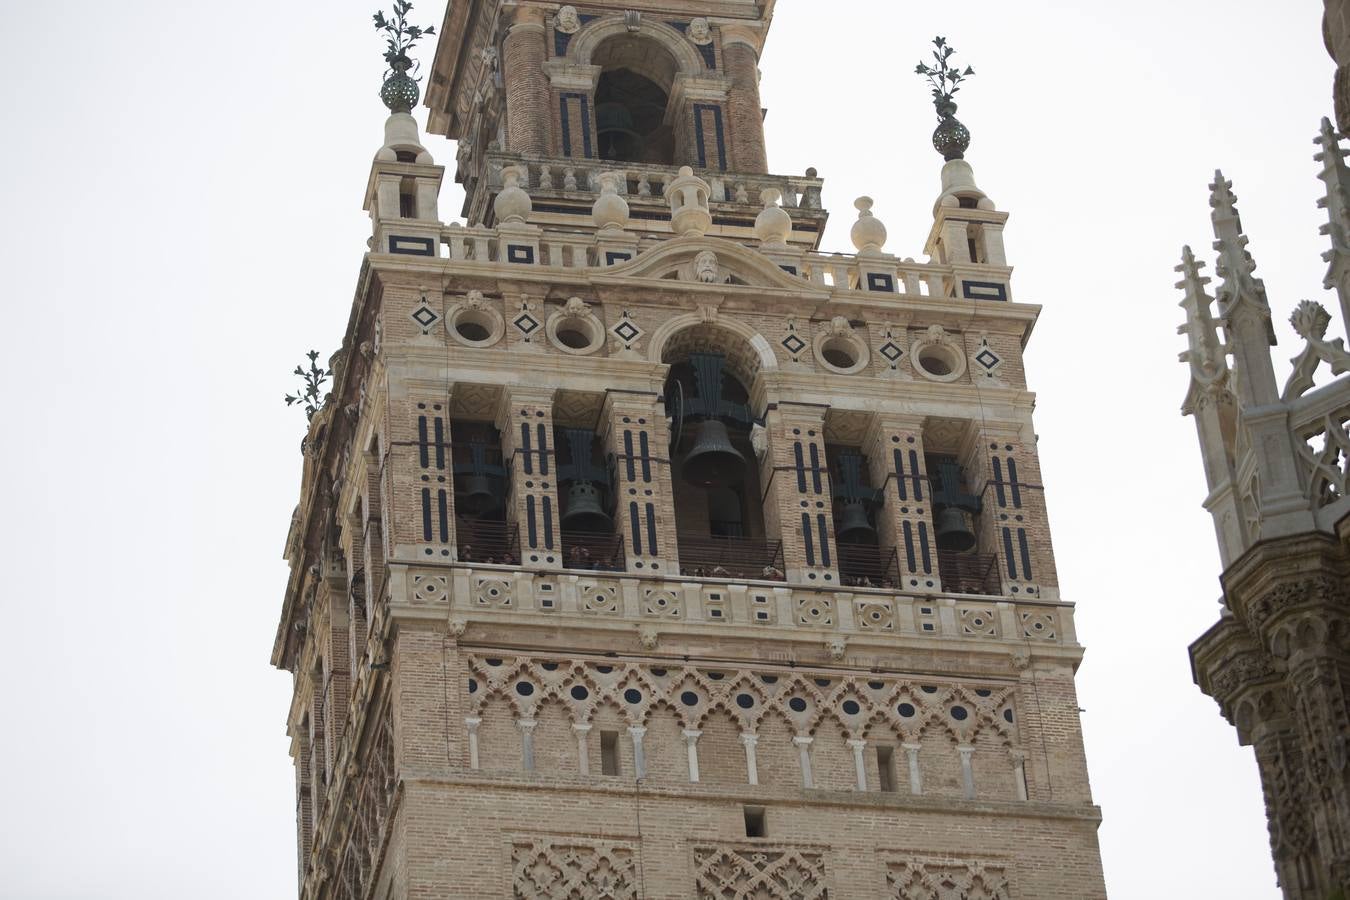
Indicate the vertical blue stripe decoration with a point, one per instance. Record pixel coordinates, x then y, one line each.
426 514
635 527
909 545
548 523
525 448
440 443
923 548
808 539
824 539
422 441
1026 553
900 479
442 510
651 529
1008 552
700 140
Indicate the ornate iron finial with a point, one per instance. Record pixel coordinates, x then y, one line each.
400 92
311 394
951 137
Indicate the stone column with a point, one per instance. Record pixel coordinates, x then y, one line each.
967 773
915 774
637 439
797 500
527 88
637 733
894 450
583 733
751 765
859 765
746 116
1019 764
526 424
803 743
691 745
471 724
526 727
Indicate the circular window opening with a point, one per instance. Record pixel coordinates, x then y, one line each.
471 330
573 337
840 359
935 363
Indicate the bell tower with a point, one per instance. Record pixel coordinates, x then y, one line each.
645 550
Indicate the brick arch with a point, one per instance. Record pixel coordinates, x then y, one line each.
747 351
584 44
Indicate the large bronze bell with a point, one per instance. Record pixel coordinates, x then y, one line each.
953 529
712 461
854 528
584 512
475 496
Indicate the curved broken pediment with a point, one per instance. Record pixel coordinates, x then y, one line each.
711 261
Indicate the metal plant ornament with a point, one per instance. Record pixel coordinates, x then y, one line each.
311 395
399 92
951 137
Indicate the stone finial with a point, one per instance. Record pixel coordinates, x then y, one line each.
868 233
513 204
1310 321
610 210
688 197
773 225
1205 351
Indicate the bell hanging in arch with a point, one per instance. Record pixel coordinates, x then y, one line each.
952 526
854 528
712 461
584 512
476 497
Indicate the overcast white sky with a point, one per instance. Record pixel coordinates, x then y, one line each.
183 198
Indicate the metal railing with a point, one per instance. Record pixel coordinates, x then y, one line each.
867 565
490 541
969 573
705 556
598 551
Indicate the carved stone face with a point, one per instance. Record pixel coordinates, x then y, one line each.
705 267
567 20
699 32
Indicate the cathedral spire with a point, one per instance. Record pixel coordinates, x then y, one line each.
1337 204
1242 301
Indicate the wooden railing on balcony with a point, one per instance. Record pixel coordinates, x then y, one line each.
867 565
592 550
969 573
703 556
490 541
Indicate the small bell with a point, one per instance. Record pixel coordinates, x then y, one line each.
712 461
476 497
953 529
854 528
584 512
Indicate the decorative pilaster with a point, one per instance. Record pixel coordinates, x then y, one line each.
1015 524
967 773
915 773
526 425
583 733
797 498
637 733
894 450
471 724
527 727
636 440
859 764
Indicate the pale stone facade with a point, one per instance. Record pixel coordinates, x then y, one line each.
1276 462
809 642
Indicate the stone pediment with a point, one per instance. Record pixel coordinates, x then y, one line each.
711 262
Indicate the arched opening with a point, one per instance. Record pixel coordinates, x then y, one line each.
718 513
481 488
587 522
631 99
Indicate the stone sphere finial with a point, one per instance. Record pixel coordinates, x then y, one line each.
773 225
513 204
868 233
610 210
688 196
